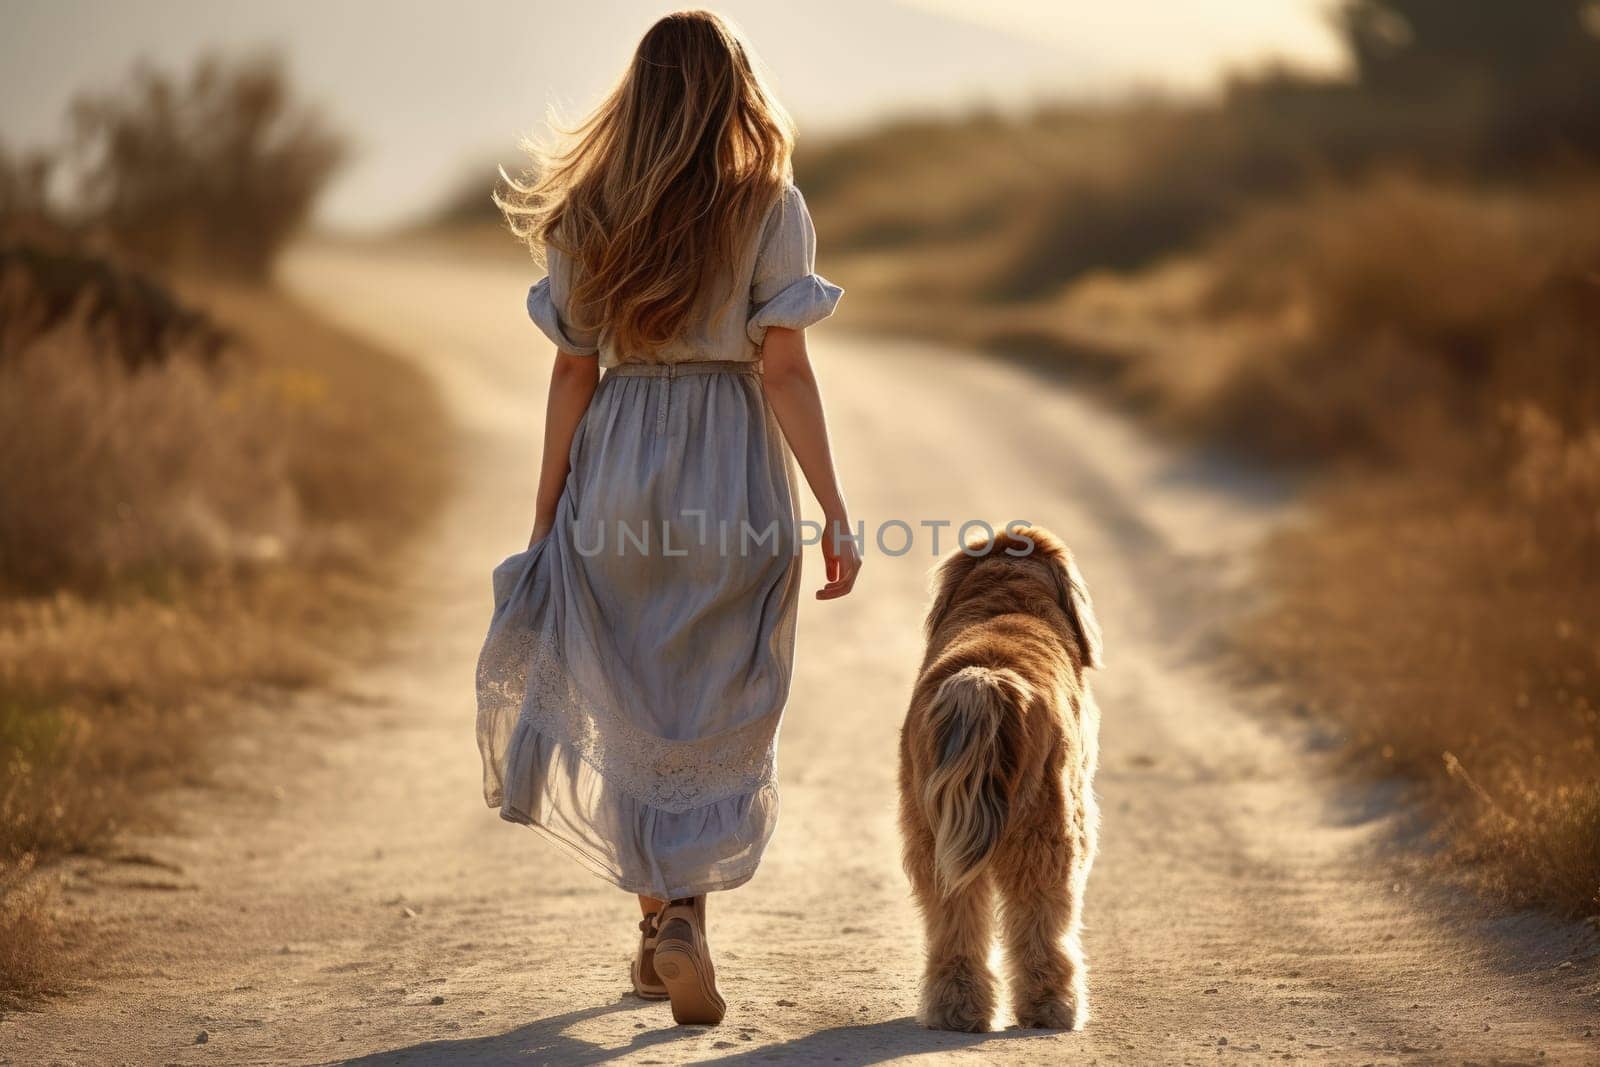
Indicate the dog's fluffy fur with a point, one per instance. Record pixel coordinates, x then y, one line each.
997 760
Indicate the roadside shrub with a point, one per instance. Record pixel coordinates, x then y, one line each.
212 170
127 454
1398 318
125 315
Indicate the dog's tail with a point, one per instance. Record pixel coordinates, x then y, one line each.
966 794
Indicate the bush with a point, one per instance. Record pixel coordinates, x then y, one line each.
127 316
212 171
1400 318
126 452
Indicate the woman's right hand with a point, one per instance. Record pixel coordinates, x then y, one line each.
842 556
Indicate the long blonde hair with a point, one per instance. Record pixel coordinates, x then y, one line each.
662 184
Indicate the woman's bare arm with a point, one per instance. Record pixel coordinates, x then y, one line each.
572 384
791 389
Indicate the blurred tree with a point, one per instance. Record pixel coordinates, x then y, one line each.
215 170
1527 73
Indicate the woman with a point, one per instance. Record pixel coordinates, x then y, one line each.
641 648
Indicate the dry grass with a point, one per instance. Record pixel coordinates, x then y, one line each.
1399 318
988 208
30 939
1437 350
1450 627
106 479
173 537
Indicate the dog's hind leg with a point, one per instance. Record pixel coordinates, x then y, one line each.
957 985
1038 872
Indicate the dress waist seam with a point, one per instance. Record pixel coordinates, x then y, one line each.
678 370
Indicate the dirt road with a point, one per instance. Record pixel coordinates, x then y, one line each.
343 893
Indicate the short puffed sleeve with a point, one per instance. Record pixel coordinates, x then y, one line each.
785 289
548 303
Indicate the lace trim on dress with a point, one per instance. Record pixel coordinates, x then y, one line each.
674 776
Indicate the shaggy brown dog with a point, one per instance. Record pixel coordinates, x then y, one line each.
997 760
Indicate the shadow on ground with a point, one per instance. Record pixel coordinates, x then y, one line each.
546 1041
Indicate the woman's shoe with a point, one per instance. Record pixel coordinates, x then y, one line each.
646 982
683 960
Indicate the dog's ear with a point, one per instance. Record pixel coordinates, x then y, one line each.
946 580
1073 596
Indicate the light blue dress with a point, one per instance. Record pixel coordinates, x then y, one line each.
639 656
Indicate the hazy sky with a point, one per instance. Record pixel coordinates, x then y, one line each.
432 89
